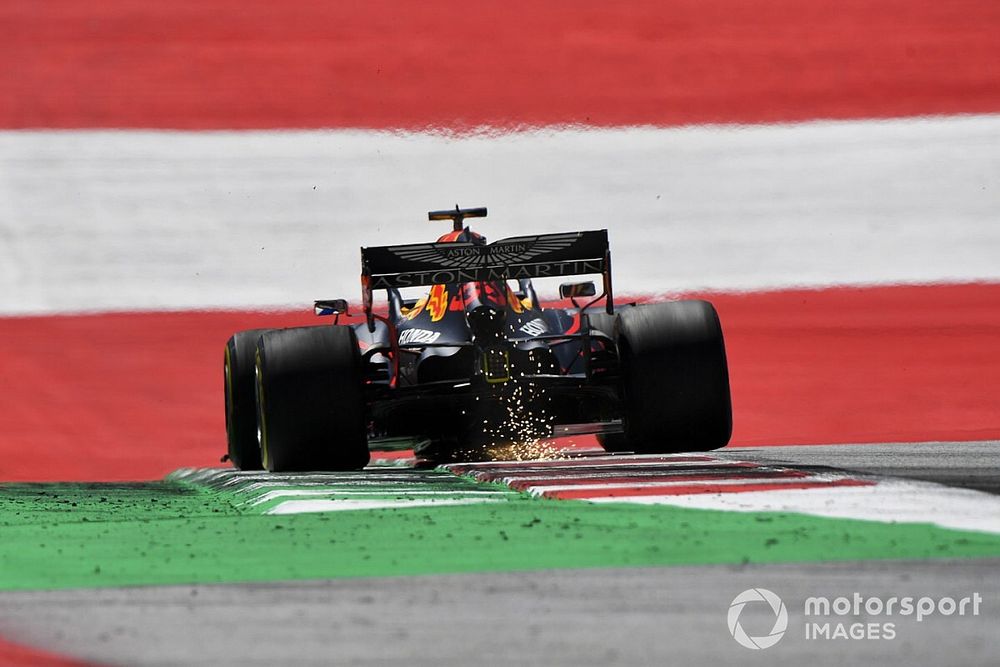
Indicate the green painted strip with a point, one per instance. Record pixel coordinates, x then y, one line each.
88 535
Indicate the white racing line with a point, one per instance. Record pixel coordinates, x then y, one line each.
311 506
97 220
886 501
413 493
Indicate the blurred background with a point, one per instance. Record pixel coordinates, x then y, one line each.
828 173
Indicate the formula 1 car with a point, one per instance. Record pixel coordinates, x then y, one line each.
477 365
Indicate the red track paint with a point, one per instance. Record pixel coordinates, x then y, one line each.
134 396
393 454
239 64
717 469
581 494
18 655
856 365
515 467
116 396
626 468
524 484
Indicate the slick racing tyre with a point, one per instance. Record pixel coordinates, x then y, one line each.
310 406
674 379
601 321
613 442
241 403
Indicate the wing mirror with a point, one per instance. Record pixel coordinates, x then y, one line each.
335 307
574 290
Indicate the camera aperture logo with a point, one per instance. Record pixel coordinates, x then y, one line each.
858 617
780 618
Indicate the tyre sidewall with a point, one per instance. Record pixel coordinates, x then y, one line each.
241 400
674 377
310 405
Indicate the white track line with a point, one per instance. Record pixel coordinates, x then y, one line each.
888 501
220 219
408 492
311 506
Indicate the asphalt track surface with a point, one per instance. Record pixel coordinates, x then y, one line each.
642 616
970 465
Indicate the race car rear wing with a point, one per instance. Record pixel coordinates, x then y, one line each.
542 256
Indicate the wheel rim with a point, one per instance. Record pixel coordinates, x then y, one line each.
261 416
228 371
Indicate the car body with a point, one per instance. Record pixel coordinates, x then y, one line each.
478 365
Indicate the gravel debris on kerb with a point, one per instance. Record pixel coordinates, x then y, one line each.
220 526
374 488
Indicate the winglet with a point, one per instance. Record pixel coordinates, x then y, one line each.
457 216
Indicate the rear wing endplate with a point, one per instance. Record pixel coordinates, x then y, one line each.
542 256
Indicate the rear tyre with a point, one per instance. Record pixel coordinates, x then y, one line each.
602 322
241 403
613 442
310 407
674 379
